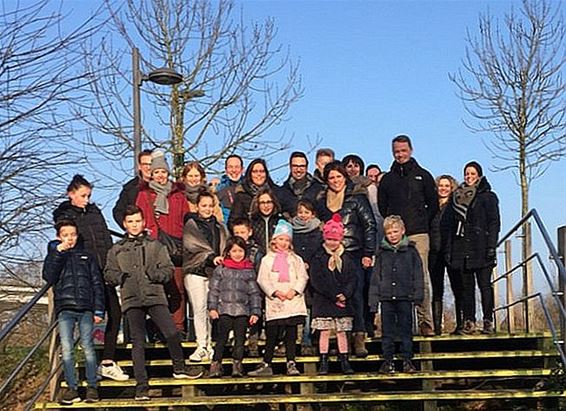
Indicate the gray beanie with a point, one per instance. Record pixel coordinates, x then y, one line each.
158 161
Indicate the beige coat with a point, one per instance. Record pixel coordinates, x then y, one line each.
269 283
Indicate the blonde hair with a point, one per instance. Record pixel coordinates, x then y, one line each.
392 220
272 246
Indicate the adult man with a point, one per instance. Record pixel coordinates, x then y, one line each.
234 168
130 190
322 158
409 190
300 185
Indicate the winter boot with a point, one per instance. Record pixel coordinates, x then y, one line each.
360 349
323 366
437 317
345 364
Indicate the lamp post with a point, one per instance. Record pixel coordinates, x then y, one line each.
164 76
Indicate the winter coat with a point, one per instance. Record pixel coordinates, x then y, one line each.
288 196
357 217
226 194
435 235
326 285
481 231
234 292
269 282
76 280
263 229
398 275
94 235
306 244
409 190
201 244
140 266
127 197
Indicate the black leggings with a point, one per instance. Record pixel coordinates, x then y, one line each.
113 322
273 335
224 325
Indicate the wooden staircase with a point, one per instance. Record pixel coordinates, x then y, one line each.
501 370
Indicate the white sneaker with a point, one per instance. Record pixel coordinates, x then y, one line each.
200 354
112 371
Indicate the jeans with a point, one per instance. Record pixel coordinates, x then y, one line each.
85 320
483 277
424 314
397 317
197 288
225 324
359 302
113 322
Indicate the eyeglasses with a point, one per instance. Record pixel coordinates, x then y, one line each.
267 202
298 166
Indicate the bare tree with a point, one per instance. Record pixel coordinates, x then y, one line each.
238 83
513 88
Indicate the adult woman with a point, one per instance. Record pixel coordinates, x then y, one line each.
265 212
256 178
164 207
194 177
445 186
351 202
473 225
95 238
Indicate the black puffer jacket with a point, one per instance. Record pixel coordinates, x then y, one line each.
409 190
234 292
76 279
398 275
94 235
326 285
481 231
263 229
357 217
289 196
140 266
127 197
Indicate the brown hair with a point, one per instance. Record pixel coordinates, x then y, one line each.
194 164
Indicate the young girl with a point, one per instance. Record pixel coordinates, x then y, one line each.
283 278
204 238
333 281
234 300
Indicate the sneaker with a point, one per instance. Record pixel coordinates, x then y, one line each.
69 396
142 393
408 366
469 327
200 354
112 371
184 372
91 395
263 370
237 369
280 351
488 327
387 367
292 368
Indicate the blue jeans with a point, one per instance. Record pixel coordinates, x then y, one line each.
67 320
397 319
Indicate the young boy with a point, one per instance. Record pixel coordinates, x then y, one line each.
397 284
79 299
141 266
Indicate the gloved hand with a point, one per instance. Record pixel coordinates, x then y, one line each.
491 255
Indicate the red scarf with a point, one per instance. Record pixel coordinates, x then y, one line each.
245 264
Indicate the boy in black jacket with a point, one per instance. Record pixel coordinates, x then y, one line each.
79 300
397 284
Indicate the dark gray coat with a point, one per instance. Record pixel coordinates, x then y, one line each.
234 292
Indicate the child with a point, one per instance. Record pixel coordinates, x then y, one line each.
283 278
307 239
141 266
234 300
79 299
333 280
204 238
397 284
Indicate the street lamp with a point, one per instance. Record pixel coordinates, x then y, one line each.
163 76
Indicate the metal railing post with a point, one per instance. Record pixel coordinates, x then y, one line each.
561 283
509 284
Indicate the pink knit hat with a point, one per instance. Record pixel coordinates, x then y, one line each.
333 229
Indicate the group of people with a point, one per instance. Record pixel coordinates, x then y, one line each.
326 250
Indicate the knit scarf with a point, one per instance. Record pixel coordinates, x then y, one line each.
162 190
461 200
191 192
335 260
335 200
299 186
281 266
244 264
300 226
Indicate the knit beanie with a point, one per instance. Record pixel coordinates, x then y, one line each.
476 165
334 228
283 228
158 161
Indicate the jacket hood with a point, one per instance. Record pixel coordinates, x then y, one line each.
401 247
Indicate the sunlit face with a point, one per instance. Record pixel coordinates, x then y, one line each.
134 224
353 169
265 204
336 181
144 167
304 214
80 197
193 178
237 253
160 176
322 161
471 176
68 235
402 152
205 207
298 167
332 244
394 234
373 175
282 243
233 168
242 230
259 174
444 188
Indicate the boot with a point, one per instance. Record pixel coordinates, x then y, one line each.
323 366
437 317
469 327
360 349
345 365
459 318
237 369
215 370
253 349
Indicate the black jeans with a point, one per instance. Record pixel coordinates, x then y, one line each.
437 266
483 278
360 297
113 322
273 335
224 325
397 317
162 319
